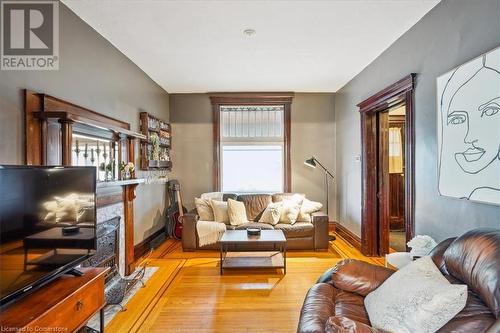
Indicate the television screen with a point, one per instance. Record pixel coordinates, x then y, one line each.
47 224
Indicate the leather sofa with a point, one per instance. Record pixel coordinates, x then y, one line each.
336 303
300 235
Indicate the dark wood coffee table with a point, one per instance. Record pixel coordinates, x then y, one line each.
240 241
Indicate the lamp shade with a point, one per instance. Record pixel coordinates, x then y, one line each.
310 162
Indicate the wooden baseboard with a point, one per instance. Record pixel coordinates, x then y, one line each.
348 235
144 246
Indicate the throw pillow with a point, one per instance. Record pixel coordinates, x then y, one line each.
307 208
272 213
237 212
204 209
417 295
290 210
220 209
212 196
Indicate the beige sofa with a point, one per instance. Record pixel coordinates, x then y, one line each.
300 235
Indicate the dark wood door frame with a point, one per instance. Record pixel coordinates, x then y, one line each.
397 93
254 99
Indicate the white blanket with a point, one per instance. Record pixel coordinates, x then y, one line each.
209 232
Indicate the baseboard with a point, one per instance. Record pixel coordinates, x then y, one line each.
348 235
141 248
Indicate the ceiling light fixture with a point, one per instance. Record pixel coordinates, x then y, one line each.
249 32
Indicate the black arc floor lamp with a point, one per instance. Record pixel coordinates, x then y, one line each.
313 163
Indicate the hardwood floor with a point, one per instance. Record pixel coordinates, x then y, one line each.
187 294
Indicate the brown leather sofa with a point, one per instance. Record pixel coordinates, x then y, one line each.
336 303
300 235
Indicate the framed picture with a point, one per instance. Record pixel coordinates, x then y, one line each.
468 107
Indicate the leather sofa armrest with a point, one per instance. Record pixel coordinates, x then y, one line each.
320 221
358 276
189 241
319 305
437 254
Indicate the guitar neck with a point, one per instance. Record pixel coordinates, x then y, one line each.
179 202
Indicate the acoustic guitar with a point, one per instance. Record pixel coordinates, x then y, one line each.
175 211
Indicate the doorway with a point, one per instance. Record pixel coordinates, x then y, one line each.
391 128
387 169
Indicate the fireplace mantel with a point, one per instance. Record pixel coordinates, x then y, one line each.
122 191
49 125
120 183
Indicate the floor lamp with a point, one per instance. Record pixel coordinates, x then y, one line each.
313 163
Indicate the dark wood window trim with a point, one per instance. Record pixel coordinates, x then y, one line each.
399 92
218 100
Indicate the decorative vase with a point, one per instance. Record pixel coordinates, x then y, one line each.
126 175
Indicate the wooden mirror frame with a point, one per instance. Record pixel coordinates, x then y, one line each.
397 93
49 129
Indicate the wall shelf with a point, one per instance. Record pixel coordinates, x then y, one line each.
152 127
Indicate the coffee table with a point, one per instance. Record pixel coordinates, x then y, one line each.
240 241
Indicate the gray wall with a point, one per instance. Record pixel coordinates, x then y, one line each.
452 33
312 125
95 75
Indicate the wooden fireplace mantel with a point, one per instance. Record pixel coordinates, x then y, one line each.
122 191
49 124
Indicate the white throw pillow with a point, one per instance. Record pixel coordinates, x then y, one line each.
417 298
307 208
204 209
237 212
290 210
272 213
212 196
220 209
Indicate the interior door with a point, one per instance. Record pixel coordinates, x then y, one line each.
383 193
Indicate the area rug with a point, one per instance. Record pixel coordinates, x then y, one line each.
111 310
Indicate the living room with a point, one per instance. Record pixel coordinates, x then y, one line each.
250 166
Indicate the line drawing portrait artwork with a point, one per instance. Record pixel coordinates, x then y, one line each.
469 130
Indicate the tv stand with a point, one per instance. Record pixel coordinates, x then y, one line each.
64 305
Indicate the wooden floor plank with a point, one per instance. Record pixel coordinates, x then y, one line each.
139 307
193 297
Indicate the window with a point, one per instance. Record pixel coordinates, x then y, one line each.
251 145
252 148
252 168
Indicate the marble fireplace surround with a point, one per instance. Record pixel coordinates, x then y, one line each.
116 198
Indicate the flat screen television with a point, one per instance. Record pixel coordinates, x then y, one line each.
47 225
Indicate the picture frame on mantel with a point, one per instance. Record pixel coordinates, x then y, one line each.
468 119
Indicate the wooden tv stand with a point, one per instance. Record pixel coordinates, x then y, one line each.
63 305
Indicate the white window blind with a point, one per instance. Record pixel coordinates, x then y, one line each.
252 141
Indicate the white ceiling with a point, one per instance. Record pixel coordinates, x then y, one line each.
199 46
